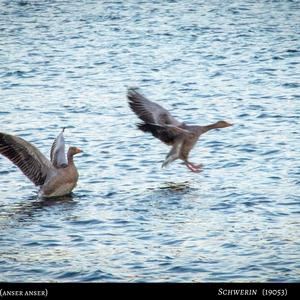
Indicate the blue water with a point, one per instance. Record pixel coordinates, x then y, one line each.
68 65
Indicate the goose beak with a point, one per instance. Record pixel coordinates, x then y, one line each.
78 150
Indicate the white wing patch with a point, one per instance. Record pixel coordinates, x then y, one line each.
57 154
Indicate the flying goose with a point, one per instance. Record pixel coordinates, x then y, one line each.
57 177
162 125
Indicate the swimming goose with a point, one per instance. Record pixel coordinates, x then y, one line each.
57 177
162 125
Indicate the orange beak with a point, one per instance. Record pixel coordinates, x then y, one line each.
78 150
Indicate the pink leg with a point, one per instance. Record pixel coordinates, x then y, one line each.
194 168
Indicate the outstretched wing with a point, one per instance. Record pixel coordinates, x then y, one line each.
157 120
149 111
26 157
57 153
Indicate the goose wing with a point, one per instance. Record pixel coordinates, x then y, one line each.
57 153
148 111
157 120
26 157
168 134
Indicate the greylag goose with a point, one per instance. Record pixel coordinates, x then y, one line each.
57 177
162 125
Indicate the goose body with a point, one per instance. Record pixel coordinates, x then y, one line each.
162 125
55 177
64 181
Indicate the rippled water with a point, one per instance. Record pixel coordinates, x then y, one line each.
68 64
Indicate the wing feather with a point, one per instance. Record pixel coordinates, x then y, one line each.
57 152
149 111
166 134
26 157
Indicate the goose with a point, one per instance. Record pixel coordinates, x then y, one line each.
163 126
55 177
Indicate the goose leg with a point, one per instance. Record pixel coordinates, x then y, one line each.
194 168
199 166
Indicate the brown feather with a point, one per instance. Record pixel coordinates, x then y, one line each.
149 111
26 157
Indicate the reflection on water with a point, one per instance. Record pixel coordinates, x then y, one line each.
128 219
176 186
26 210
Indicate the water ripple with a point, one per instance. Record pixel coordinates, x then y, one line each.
128 219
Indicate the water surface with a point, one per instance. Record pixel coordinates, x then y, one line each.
68 65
